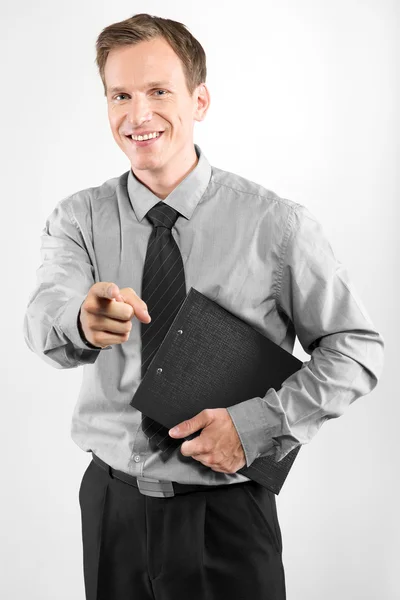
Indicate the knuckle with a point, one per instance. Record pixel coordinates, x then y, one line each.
86 304
91 307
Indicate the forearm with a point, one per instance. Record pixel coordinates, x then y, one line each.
342 368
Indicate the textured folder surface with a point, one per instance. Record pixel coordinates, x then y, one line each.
210 358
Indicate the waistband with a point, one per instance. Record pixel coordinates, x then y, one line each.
156 487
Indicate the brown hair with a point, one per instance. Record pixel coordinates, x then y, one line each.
144 27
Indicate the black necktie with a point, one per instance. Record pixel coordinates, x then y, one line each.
163 290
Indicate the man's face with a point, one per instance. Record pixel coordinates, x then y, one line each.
140 105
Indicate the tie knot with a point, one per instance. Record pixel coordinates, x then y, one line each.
162 215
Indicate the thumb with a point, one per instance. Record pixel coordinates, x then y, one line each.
107 289
111 290
189 426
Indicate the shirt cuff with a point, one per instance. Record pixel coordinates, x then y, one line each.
67 321
259 427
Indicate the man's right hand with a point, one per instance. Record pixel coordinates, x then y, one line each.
106 313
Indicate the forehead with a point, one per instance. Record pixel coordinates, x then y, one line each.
151 63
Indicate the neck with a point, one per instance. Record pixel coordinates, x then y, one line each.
161 184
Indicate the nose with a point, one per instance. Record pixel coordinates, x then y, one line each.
138 111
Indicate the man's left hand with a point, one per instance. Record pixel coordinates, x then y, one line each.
218 446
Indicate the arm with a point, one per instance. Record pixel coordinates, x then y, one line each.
51 327
314 294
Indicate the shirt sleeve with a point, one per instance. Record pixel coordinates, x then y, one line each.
315 296
66 274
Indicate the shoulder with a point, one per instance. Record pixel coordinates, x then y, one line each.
249 190
84 201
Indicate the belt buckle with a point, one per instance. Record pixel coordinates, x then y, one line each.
155 487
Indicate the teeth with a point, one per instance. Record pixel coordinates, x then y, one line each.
145 137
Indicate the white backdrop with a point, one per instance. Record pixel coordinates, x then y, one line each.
315 85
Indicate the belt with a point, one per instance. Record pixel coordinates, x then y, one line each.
156 487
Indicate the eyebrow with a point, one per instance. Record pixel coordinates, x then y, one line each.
150 84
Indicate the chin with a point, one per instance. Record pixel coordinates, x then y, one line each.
143 165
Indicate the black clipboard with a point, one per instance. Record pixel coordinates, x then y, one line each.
210 358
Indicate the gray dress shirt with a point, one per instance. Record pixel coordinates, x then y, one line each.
264 258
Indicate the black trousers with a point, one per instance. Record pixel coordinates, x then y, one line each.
204 545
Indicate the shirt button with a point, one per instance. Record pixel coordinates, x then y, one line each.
137 458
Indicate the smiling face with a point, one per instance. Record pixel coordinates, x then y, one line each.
146 91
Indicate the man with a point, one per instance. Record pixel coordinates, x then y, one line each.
262 257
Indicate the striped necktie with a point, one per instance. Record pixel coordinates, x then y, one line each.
163 290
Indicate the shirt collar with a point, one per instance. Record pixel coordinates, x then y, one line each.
184 198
